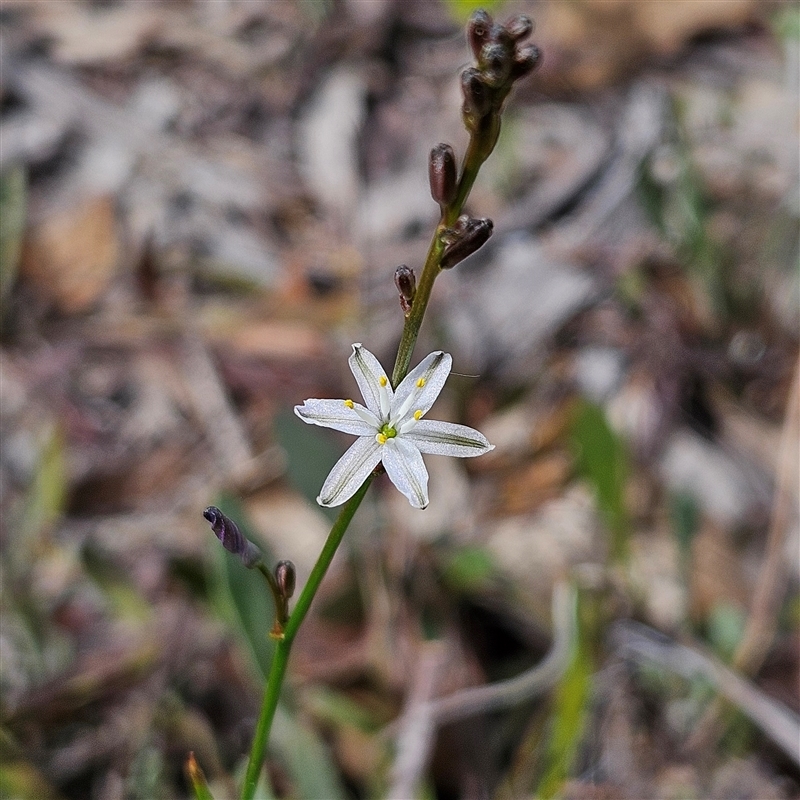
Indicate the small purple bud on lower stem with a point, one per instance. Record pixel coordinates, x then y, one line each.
479 30
406 283
233 540
443 174
470 236
285 577
519 27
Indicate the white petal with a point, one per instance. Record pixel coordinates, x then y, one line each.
350 471
410 397
447 439
406 470
368 372
340 416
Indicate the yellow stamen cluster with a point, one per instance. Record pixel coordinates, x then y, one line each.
349 403
420 382
380 438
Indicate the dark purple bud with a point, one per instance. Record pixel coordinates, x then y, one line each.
233 540
526 59
501 36
443 174
467 237
495 63
477 98
479 30
285 577
519 27
406 283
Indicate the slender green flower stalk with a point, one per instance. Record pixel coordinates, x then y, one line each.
392 434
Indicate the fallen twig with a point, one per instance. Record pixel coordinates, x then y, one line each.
642 643
760 627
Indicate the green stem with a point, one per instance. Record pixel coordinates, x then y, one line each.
414 319
476 154
284 645
473 159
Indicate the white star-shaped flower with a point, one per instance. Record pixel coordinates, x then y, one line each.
390 428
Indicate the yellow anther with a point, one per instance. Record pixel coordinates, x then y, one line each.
418 414
421 382
349 403
380 438
383 380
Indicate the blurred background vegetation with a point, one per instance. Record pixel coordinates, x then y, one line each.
202 204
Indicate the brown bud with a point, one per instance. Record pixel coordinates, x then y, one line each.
467 236
406 283
479 30
477 98
526 59
519 27
285 577
443 174
233 540
495 63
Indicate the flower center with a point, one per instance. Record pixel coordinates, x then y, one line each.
386 432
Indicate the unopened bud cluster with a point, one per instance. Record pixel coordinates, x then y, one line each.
502 58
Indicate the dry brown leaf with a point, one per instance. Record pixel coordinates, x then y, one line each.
717 572
541 480
71 256
87 36
592 43
277 339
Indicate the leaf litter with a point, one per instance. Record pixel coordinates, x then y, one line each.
193 262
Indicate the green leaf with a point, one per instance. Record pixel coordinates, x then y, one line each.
306 758
685 521
13 207
19 779
46 496
569 716
336 709
725 629
602 459
197 779
469 569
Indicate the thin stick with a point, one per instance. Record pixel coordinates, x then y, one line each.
775 720
762 620
417 725
529 684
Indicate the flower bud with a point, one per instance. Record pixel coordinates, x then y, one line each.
477 98
526 59
406 283
479 30
495 63
519 27
466 237
443 174
233 540
285 577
